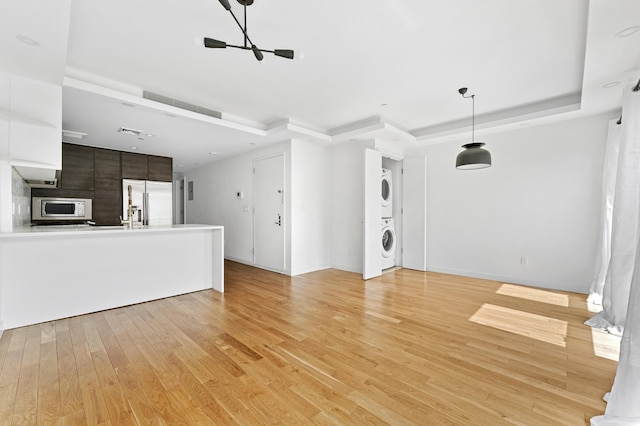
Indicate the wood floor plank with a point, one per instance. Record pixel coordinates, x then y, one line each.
7 402
95 408
25 410
320 348
115 399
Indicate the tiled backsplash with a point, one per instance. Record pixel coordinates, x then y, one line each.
21 201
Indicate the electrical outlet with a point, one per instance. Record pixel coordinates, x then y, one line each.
524 260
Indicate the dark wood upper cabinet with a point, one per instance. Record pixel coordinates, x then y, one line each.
107 164
160 168
134 166
107 203
77 167
97 173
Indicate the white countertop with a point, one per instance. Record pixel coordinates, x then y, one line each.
61 230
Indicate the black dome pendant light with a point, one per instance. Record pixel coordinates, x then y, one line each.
474 156
248 44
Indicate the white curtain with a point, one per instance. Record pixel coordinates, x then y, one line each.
625 221
623 406
609 174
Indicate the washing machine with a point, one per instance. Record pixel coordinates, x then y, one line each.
387 193
388 244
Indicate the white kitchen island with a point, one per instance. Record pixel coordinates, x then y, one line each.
48 273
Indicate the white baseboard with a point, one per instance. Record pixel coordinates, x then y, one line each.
238 260
574 288
306 270
348 268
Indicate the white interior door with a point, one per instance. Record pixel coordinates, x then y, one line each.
414 206
372 215
268 217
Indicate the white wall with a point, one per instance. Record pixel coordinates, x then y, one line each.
306 204
310 231
215 201
539 200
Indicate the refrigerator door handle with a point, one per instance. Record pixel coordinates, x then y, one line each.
145 220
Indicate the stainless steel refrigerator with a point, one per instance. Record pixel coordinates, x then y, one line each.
152 201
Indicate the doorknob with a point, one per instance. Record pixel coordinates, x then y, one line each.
279 222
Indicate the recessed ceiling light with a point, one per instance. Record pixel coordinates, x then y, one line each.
252 143
213 153
129 131
195 164
628 31
127 104
180 165
133 147
611 84
150 135
383 105
28 40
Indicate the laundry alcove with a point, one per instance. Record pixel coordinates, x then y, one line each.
410 180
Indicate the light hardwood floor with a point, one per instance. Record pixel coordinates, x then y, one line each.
321 348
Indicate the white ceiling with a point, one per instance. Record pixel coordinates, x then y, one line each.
524 60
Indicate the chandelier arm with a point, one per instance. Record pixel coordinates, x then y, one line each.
239 47
249 48
248 44
244 31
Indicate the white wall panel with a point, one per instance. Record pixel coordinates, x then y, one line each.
414 218
532 217
310 184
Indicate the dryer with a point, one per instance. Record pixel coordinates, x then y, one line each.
388 244
387 193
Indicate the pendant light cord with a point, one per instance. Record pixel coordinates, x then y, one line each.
473 118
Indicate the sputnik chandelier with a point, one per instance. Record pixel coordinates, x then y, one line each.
248 44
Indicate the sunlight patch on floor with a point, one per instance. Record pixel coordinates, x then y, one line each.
545 329
535 294
605 345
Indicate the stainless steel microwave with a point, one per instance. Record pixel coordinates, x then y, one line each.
61 209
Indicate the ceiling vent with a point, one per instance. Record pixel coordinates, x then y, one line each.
179 104
128 131
74 134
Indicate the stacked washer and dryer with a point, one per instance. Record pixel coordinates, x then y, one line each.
388 227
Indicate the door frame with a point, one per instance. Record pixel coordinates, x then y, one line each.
284 210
